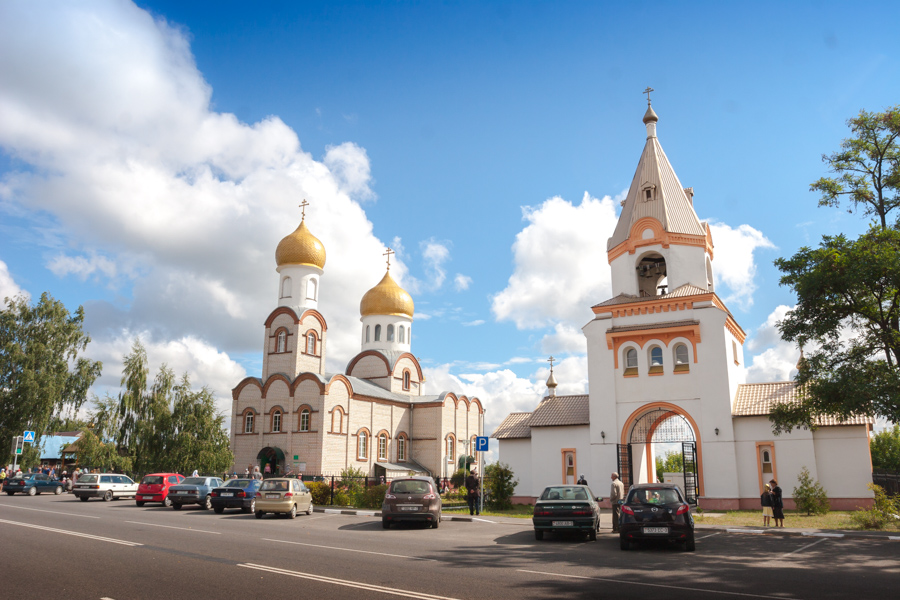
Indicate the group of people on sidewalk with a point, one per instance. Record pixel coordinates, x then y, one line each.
772 504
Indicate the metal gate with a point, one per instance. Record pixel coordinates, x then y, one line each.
689 456
624 460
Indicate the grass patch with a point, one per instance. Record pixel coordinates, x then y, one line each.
753 518
520 511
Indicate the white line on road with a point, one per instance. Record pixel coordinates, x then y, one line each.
801 549
710 535
55 512
353 584
171 527
84 535
824 535
894 537
658 585
756 531
349 550
483 520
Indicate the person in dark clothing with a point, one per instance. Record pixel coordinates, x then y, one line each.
582 480
777 504
472 493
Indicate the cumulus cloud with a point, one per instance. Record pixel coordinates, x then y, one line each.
435 255
461 282
8 287
82 266
565 339
774 359
734 264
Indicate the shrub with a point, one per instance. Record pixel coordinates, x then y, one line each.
341 498
321 492
352 480
885 511
810 496
500 483
371 497
458 479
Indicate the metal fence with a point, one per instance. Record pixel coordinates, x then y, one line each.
888 480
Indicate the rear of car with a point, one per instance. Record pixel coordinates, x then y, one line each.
236 493
194 490
109 486
155 488
656 512
33 484
411 499
283 495
566 508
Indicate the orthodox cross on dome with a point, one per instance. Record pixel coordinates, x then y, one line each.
551 360
388 255
647 91
303 206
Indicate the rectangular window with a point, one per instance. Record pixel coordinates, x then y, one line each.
276 422
248 424
362 450
401 449
382 447
734 351
304 420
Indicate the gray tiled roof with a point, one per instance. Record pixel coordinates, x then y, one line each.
660 325
391 355
514 426
758 399
680 292
554 411
404 466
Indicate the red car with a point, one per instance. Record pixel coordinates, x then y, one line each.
155 488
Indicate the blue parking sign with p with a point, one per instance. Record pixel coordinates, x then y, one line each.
29 437
481 444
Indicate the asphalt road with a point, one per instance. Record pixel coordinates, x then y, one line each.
56 546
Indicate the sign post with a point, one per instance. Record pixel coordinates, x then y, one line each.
18 446
481 446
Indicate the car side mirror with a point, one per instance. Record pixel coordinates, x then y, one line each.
598 499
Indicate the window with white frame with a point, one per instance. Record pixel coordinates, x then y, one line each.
401 449
378 333
390 333
311 289
681 358
382 446
362 445
656 360
402 335
248 423
450 447
286 287
276 421
311 343
304 419
281 341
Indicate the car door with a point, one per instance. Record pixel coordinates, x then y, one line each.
41 482
305 496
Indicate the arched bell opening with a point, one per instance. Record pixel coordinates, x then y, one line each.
652 275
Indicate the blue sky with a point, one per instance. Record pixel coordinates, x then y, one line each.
152 155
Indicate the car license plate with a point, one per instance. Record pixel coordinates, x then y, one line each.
273 496
147 497
656 530
563 523
227 495
410 507
180 492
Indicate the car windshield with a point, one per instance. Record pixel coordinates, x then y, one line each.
152 480
194 481
239 483
564 492
654 496
274 486
87 479
410 486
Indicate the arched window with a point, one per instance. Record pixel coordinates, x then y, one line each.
337 421
472 445
656 360
382 446
390 333
631 359
286 287
311 343
681 358
450 447
378 333
405 380
401 448
248 423
311 289
304 419
362 445
281 341
409 339
402 335
276 421
367 334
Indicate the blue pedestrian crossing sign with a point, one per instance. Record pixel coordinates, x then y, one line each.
481 444
29 437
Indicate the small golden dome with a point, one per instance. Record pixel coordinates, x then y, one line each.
300 248
386 298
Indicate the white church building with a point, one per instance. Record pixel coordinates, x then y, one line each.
666 371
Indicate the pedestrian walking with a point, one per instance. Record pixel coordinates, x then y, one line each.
256 473
195 473
472 493
777 504
582 480
616 493
766 499
247 472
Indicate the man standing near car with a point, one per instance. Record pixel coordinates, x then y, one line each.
472 493
616 493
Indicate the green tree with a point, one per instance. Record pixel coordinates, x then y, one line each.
500 484
809 495
672 462
42 371
885 447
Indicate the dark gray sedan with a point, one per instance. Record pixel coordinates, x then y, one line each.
566 508
194 490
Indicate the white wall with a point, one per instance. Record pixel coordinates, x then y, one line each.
546 454
517 454
844 461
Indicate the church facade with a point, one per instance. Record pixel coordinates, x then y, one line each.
297 418
666 373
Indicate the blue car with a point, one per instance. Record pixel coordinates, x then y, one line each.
33 483
194 490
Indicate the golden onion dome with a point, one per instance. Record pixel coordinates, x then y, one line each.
300 248
386 298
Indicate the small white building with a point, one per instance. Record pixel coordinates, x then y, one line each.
666 372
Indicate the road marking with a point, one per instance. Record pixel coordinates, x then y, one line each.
84 535
171 527
55 512
346 583
894 537
824 535
805 547
349 550
754 531
483 520
657 585
710 535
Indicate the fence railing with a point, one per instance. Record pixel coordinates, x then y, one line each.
889 481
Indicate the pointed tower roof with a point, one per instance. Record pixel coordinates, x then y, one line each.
667 202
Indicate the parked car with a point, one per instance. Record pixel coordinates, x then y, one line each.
655 511
413 498
109 486
194 490
283 496
566 508
33 483
236 493
155 488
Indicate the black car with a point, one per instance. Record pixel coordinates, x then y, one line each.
236 493
194 490
655 511
566 508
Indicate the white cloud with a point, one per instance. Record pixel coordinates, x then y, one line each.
82 266
462 282
734 264
474 323
8 287
561 268
565 339
435 255
774 359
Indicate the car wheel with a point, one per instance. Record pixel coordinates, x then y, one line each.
207 504
139 504
592 535
538 534
437 522
385 524
58 490
32 491
219 510
293 512
624 544
108 496
252 507
176 506
309 510
10 493
689 544
167 502
84 498
259 514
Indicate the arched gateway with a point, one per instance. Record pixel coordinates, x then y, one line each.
655 428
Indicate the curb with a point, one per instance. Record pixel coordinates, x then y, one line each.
373 513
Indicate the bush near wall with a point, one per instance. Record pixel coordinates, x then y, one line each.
809 495
372 497
321 492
